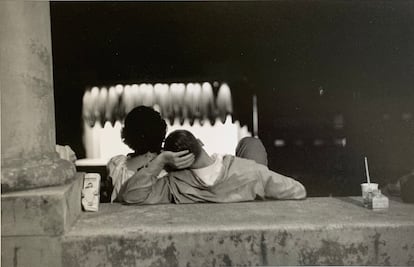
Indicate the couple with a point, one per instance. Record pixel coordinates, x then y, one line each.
193 175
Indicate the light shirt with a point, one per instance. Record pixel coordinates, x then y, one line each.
210 173
120 174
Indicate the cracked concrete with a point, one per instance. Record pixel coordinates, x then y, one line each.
317 231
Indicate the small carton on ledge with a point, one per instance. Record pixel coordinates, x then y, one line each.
90 192
379 201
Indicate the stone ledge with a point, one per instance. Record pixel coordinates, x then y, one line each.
45 211
317 231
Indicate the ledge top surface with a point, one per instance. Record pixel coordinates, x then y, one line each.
312 213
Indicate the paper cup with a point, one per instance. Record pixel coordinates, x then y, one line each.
367 192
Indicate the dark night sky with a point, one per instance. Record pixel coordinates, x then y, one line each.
290 43
361 53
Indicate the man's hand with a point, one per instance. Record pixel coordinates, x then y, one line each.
178 160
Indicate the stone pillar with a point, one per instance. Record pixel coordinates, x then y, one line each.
40 192
28 157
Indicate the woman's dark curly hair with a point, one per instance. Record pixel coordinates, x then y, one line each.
144 130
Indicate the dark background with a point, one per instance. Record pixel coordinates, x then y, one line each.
307 61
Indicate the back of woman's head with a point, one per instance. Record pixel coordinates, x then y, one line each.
180 140
144 130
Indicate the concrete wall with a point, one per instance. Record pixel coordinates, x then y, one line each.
34 221
316 231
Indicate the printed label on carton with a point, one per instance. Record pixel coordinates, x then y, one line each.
90 192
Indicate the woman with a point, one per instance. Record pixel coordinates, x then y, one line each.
144 131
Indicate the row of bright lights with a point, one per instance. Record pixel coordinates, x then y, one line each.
192 100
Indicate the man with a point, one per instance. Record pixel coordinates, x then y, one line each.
225 178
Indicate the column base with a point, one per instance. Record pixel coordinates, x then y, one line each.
45 170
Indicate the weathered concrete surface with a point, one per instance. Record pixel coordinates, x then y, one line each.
27 80
317 231
43 211
28 157
31 251
33 222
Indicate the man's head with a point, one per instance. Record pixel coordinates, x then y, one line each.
180 140
144 130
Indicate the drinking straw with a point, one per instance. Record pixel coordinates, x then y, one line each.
366 170
255 117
